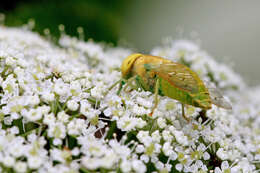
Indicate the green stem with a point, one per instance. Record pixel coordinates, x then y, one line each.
74 116
111 130
5 69
152 125
63 107
59 106
29 132
84 170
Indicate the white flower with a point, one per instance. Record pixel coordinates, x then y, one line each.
140 123
109 160
181 138
168 149
8 120
49 119
57 141
72 105
167 135
44 109
75 126
119 149
75 151
32 137
138 166
90 163
139 110
11 61
57 130
157 148
179 167
125 166
10 86
143 137
243 166
60 155
126 123
144 158
75 85
139 149
206 156
33 100
161 122
14 130
224 168
159 165
222 154
108 112
48 96
17 150
9 161
20 167
86 109
61 88
156 136
34 162
97 92
154 159
63 117
144 102
33 114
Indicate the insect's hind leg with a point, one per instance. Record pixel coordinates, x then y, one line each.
156 100
183 113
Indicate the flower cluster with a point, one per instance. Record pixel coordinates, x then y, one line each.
59 114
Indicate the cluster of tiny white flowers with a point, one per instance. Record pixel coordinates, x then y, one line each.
58 115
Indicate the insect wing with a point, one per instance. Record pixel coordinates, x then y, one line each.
177 74
216 96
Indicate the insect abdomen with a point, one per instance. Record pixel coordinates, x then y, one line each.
198 99
168 90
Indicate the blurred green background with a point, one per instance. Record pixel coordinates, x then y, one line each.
100 19
228 30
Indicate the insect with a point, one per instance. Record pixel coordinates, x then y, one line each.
166 78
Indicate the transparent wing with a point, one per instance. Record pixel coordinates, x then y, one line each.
177 74
216 96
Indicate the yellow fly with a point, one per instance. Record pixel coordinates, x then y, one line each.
166 78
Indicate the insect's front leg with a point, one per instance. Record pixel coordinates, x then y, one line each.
129 82
120 87
112 86
156 92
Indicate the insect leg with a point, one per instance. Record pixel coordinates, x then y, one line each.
156 100
183 113
138 83
120 87
112 86
129 82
